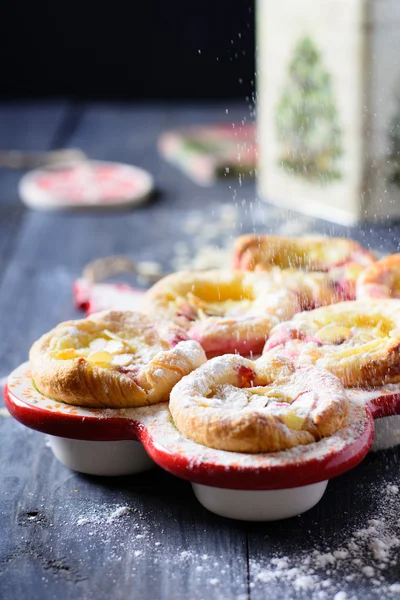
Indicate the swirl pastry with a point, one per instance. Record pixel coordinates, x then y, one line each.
381 279
111 359
235 404
228 311
357 341
310 253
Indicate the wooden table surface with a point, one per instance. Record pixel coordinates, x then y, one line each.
61 536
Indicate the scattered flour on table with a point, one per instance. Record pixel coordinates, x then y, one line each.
340 596
211 242
132 537
362 558
99 515
118 512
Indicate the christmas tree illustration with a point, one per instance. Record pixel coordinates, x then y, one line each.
394 153
307 119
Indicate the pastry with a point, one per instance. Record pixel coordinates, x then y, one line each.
226 311
232 403
381 279
112 359
316 288
357 341
311 253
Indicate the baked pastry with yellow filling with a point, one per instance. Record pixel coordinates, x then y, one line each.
357 341
309 252
227 311
235 404
112 359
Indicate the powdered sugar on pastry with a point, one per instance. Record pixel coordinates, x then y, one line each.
235 404
357 341
157 423
112 359
233 311
311 253
339 261
224 310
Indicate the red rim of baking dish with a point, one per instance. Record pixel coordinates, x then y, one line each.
302 471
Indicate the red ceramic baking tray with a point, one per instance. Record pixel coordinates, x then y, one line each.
104 441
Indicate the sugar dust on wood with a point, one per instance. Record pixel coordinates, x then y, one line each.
363 557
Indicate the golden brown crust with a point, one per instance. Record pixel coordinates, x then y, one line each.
381 279
312 253
233 311
113 359
357 341
235 404
226 311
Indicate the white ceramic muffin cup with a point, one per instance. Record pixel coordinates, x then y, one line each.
108 459
259 505
387 433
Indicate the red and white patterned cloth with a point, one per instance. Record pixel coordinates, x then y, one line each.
94 297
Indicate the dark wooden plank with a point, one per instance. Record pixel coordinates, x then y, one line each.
28 127
34 298
63 542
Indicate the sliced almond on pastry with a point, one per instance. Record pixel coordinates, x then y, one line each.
359 341
111 360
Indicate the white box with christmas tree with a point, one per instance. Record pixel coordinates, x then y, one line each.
329 107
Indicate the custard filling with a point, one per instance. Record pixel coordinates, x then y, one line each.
108 350
207 299
279 402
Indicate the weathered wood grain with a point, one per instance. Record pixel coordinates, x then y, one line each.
26 127
166 547
348 506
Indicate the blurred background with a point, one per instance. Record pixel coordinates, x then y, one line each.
326 141
128 50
